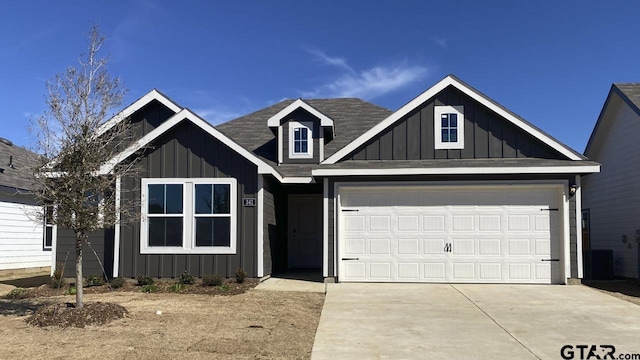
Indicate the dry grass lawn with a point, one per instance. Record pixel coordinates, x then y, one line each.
253 325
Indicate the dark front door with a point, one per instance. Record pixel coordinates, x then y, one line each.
305 231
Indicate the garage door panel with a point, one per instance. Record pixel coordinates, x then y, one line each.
434 246
409 271
380 270
380 246
490 271
355 270
463 246
355 247
380 223
354 223
459 236
464 271
519 246
433 223
434 271
489 222
520 271
408 246
489 247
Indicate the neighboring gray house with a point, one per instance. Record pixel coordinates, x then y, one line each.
25 243
451 187
612 197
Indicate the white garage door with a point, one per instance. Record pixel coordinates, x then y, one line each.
450 234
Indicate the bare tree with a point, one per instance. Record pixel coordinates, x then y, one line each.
73 140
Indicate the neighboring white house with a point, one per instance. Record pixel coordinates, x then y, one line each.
611 198
24 245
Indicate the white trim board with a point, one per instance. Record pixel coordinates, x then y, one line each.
137 105
431 92
578 196
299 104
260 225
584 169
325 227
116 230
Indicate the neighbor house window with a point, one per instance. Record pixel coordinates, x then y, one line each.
449 127
188 216
47 241
300 140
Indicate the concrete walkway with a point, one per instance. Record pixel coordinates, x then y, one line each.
282 284
420 321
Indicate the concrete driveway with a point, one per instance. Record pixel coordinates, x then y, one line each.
432 321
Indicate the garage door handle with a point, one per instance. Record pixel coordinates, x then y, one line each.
346 259
550 259
349 210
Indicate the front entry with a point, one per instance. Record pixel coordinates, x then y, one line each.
305 231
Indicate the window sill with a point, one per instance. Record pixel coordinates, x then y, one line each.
300 156
215 250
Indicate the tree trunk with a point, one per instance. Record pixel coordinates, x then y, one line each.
80 238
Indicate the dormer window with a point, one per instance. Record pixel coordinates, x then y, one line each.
300 140
448 127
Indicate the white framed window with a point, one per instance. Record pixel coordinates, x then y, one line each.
300 140
448 127
188 216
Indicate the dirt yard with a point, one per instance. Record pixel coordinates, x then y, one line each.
253 325
628 290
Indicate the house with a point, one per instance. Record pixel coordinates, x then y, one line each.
451 187
25 243
612 197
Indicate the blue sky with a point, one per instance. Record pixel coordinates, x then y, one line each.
551 62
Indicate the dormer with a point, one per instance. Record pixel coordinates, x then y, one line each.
301 132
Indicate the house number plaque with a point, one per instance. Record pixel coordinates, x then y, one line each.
249 202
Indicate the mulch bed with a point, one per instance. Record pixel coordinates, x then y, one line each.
67 315
162 286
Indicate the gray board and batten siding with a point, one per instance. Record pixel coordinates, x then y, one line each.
486 135
185 151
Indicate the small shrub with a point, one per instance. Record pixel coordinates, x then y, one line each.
57 280
212 280
177 287
145 280
150 288
224 287
186 278
94 280
72 290
117 282
17 293
241 275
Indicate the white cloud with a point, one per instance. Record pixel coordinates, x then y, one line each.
216 116
328 60
442 42
370 83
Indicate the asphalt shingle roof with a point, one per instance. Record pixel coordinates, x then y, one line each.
631 91
352 117
16 176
